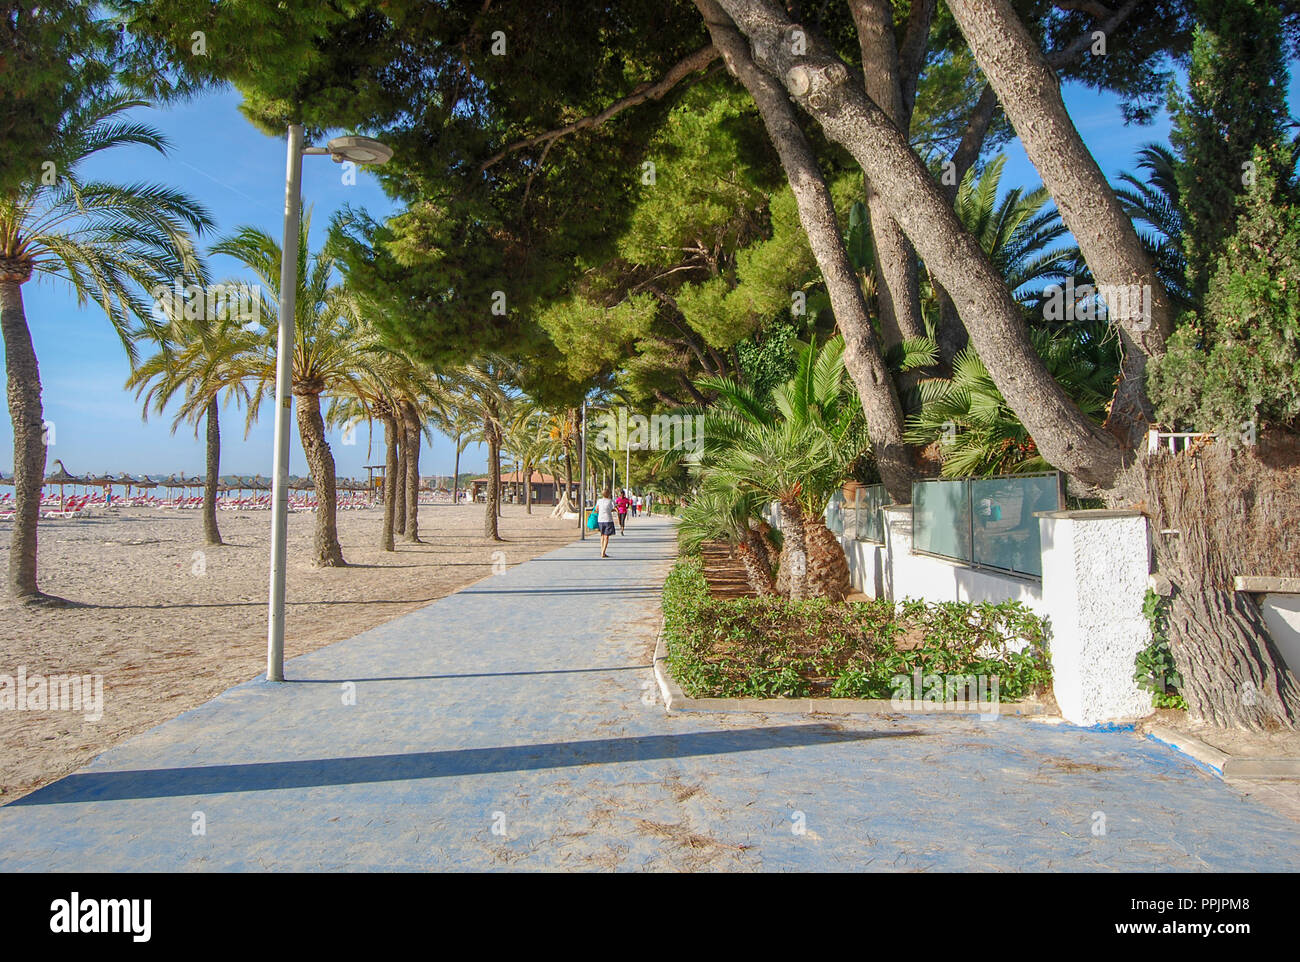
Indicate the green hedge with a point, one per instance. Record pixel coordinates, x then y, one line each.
772 647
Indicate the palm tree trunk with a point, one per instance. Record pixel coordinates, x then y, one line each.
411 423
399 503
390 481
819 83
828 566
311 431
455 490
1030 94
794 550
490 529
24 388
528 488
753 555
211 535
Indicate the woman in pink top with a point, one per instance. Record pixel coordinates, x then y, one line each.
621 504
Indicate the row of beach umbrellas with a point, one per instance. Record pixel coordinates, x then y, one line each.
226 482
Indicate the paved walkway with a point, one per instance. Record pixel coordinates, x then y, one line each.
514 725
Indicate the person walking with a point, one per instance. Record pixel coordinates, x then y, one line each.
621 504
605 521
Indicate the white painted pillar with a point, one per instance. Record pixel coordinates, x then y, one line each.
1095 570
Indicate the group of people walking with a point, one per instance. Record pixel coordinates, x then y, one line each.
609 508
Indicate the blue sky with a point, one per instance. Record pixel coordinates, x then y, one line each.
238 174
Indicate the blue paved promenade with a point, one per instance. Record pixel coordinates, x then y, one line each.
514 725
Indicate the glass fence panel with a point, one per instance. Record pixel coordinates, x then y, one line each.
1005 529
941 518
870 521
836 518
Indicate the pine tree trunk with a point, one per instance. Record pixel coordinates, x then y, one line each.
411 433
862 354
1216 513
1031 96
390 481
1232 673
311 431
211 535
25 413
819 83
898 289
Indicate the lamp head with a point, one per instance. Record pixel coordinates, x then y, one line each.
359 150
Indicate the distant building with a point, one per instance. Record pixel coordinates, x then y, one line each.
546 488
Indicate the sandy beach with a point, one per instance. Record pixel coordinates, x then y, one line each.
169 623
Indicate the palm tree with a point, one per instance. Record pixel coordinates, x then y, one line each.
1156 209
978 433
482 390
103 239
721 513
333 349
198 358
455 422
816 426
527 437
390 379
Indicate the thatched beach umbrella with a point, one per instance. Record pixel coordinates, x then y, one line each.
62 477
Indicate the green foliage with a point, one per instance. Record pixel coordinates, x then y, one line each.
978 433
1239 360
1155 669
1235 103
1156 208
771 647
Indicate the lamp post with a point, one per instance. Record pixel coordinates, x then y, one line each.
360 150
582 475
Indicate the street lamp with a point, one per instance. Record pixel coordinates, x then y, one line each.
359 150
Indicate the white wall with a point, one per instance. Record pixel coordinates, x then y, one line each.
1282 615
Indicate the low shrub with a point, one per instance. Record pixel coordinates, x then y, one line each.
773 647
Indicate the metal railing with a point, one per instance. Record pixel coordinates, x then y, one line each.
985 522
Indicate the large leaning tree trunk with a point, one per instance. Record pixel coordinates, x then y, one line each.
828 566
819 82
211 535
25 412
390 479
1217 513
1031 96
898 289
862 354
411 434
327 553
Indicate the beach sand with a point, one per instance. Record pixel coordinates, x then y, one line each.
170 623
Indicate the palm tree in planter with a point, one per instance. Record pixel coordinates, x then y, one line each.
198 358
722 513
106 241
333 350
817 409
